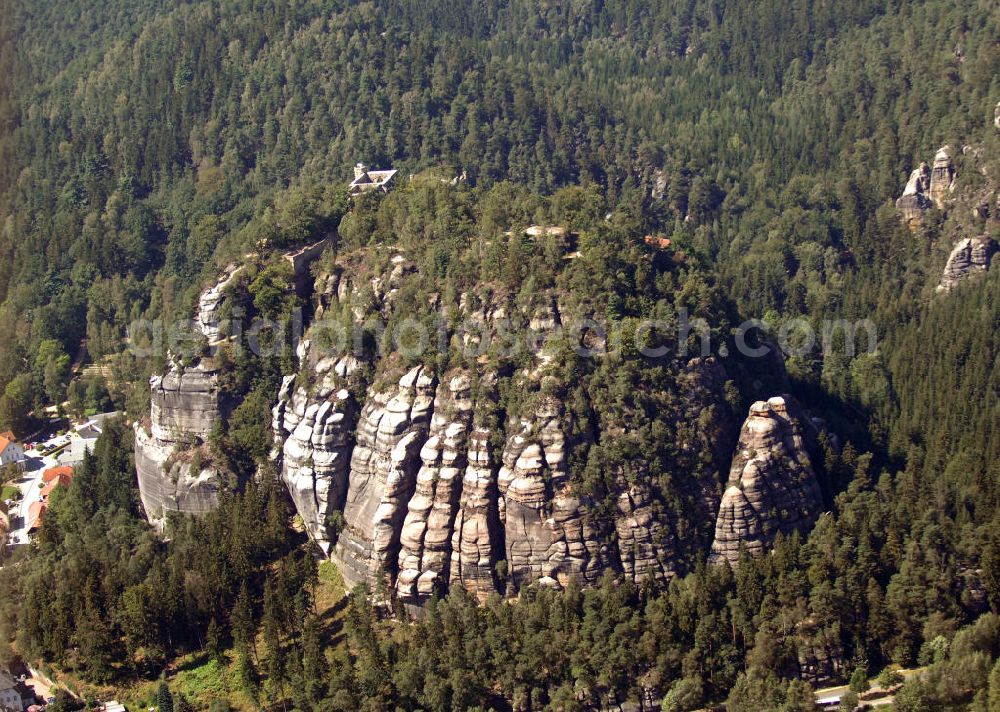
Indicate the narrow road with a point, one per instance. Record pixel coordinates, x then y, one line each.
830 692
30 485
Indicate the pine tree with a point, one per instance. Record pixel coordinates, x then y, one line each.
164 700
243 624
213 640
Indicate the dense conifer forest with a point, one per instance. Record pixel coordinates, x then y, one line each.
145 145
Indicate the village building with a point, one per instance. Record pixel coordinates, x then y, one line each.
11 451
84 438
60 481
35 513
14 695
366 180
660 242
54 473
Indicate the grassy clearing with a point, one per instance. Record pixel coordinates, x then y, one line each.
331 589
201 680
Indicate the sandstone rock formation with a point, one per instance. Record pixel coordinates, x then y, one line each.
928 186
169 485
172 465
185 403
425 538
549 535
475 540
942 177
391 432
970 256
914 200
317 444
415 481
209 315
772 487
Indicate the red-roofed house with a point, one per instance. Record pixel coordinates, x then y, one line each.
11 451
59 481
35 513
55 472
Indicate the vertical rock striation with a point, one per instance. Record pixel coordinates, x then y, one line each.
173 467
772 488
425 538
927 187
477 532
391 432
549 535
942 181
970 256
315 437
423 481
184 406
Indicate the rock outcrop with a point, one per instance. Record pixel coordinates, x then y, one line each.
391 433
772 487
170 479
426 534
316 438
476 546
942 177
172 464
914 200
209 315
927 187
185 404
549 536
416 481
969 257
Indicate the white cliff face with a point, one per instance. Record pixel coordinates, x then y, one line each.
971 256
184 406
914 200
186 403
549 536
927 187
425 538
316 440
169 485
209 315
942 182
416 482
391 432
772 488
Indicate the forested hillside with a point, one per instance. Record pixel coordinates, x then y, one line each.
144 146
